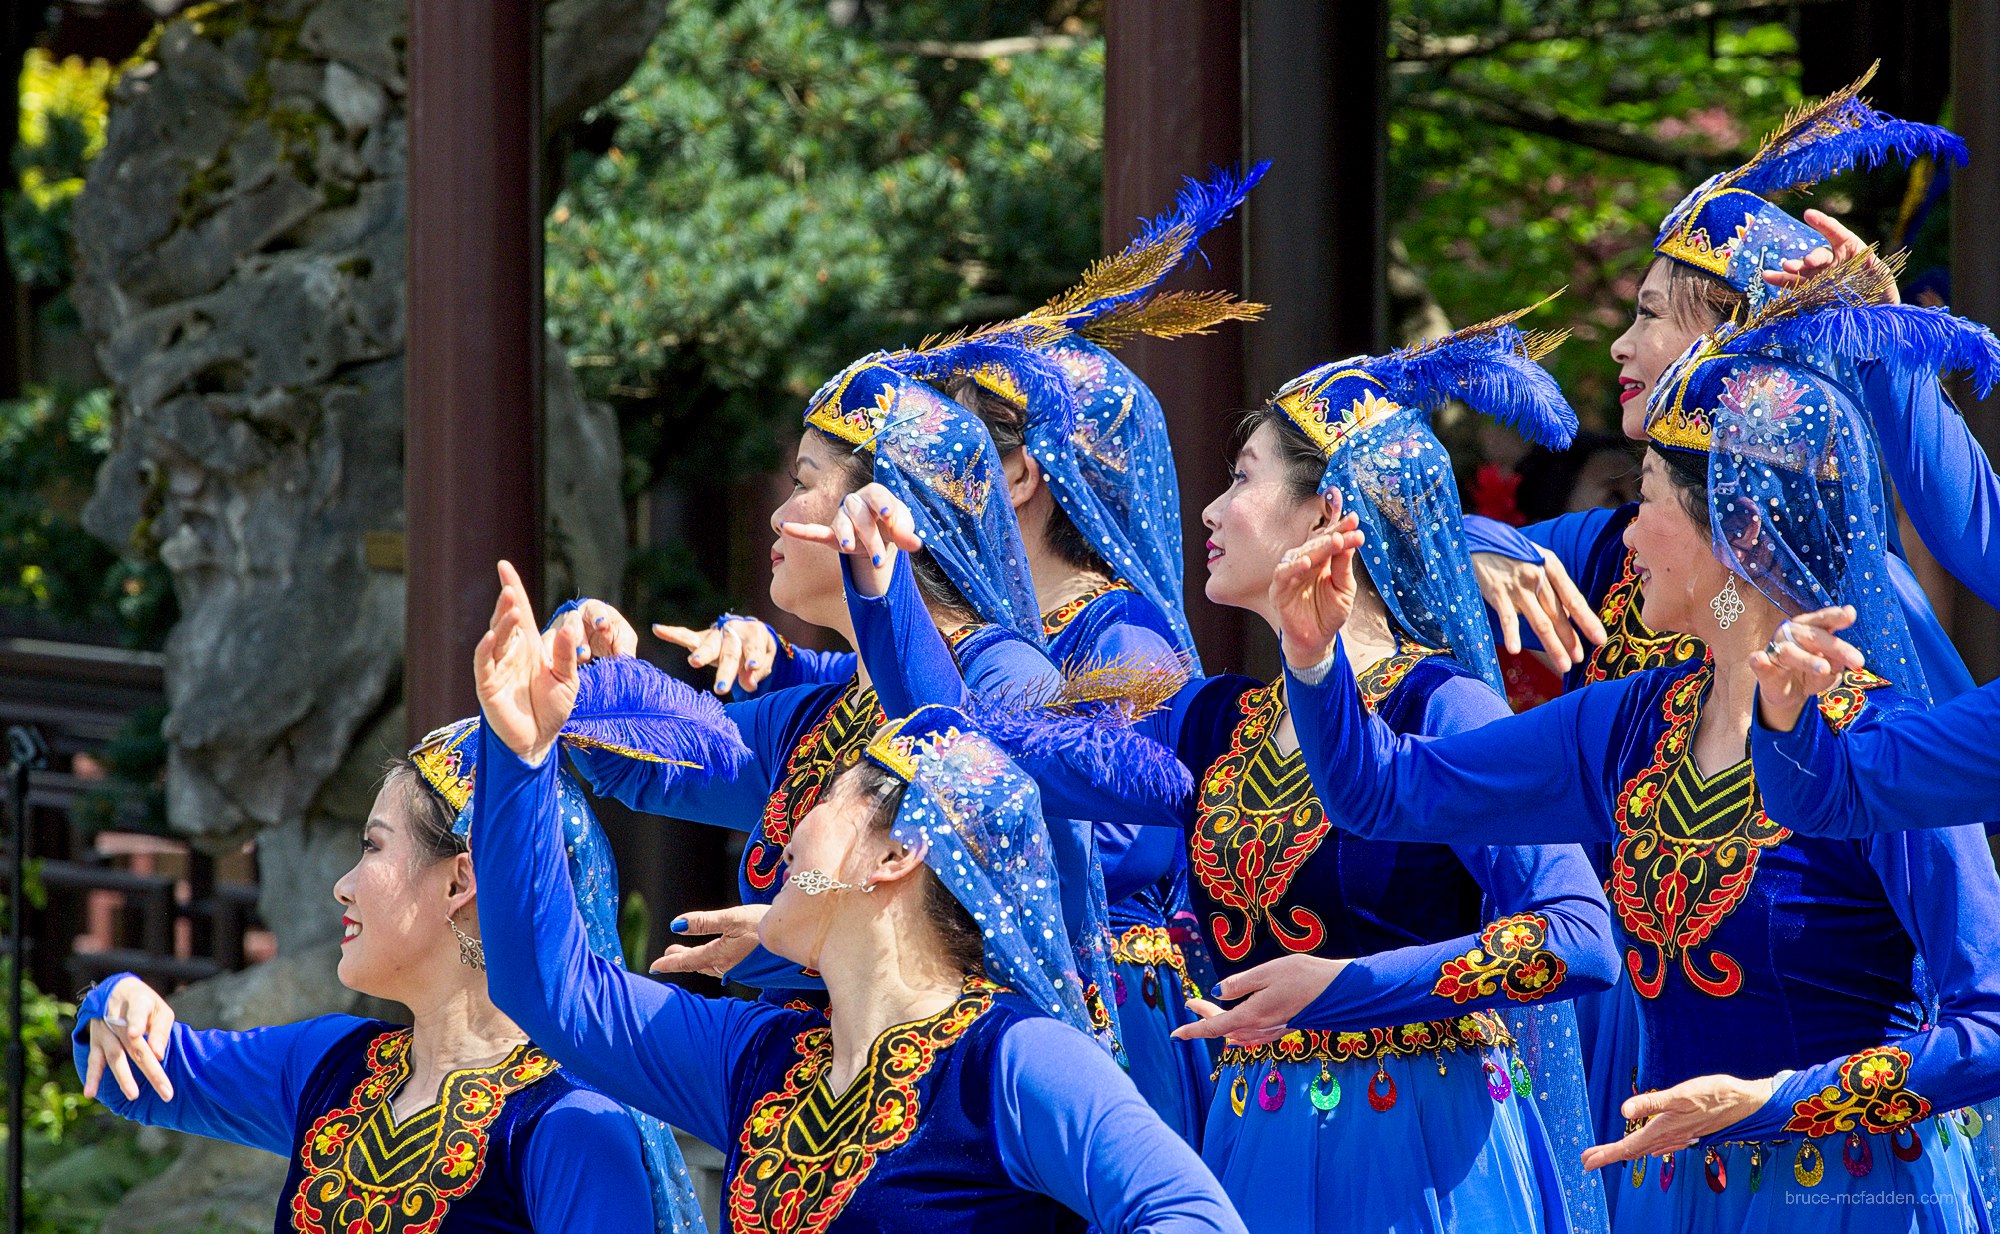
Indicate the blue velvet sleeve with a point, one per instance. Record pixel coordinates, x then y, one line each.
243 1087
1070 1126
1885 771
1943 887
1944 478
1550 938
642 1042
734 801
1531 778
1490 535
908 661
1944 671
584 1169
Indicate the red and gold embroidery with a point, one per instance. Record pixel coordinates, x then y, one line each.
1473 1031
1512 956
364 1171
804 1151
1056 620
1688 845
1633 646
1257 821
1154 947
828 748
1870 1093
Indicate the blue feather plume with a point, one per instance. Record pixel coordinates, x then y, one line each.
1487 367
1163 244
1080 747
1875 139
1039 376
1911 337
627 706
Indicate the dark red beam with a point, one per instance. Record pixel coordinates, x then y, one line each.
472 429
1975 261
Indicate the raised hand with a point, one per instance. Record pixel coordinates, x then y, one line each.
1544 597
606 632
870 527
1313 592
1677 1117
1840 245
736 937
742 649
526 681
1806 658
1272 993
136 1028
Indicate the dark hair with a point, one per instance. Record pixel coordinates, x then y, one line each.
881 790
1304 464
858 469
1688 473
1549 477
1007 423
429 815
1698 298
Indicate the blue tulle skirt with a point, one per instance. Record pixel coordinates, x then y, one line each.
1173 1076
1608 1021
1825 1186
1458 1153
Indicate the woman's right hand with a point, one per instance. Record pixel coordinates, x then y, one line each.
743 649
736 931
871 525
1805 659
526 681
137 1027
1313 592
1545 598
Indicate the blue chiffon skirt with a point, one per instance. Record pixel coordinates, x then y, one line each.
1173 1076
1829 1185
1458 1153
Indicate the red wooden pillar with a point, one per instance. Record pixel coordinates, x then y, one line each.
472 426
1173 107
1975 261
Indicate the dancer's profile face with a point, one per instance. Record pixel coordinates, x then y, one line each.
1678 570
396 907
836 837
805 578
1255 521
1656 338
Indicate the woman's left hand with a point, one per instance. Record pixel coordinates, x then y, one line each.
1677 1117
1272 993
870 526
1313 591
526 681
1806 659
736 931
1840 245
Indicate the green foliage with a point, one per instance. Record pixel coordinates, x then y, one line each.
63 111
1493 213
776 195
52 571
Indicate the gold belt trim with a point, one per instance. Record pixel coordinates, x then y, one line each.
1467 1032
1152 947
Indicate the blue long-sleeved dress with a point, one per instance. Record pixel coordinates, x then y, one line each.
1440 937
985 1116
516 1146
1754 952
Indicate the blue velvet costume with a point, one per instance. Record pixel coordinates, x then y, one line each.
517 1146
989 1115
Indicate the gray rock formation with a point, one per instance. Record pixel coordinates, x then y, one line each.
240 259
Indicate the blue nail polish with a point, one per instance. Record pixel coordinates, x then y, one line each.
1217 991
750 664
678 925
877 559
885 511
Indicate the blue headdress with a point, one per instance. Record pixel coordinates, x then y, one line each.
1104 450
1791 467
977 820
629 707
937 457
1369 417
1727 229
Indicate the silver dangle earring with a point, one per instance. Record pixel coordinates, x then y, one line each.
471 951
1727 604
819 882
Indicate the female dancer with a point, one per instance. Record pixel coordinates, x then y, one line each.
1446 1147
929 1098
459 1122
1755 953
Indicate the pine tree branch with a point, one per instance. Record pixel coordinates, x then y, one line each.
1533 116
988 49
1449 48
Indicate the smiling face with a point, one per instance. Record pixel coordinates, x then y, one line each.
1256 520
1661 330
398 902
1674 554
805 578
838 837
